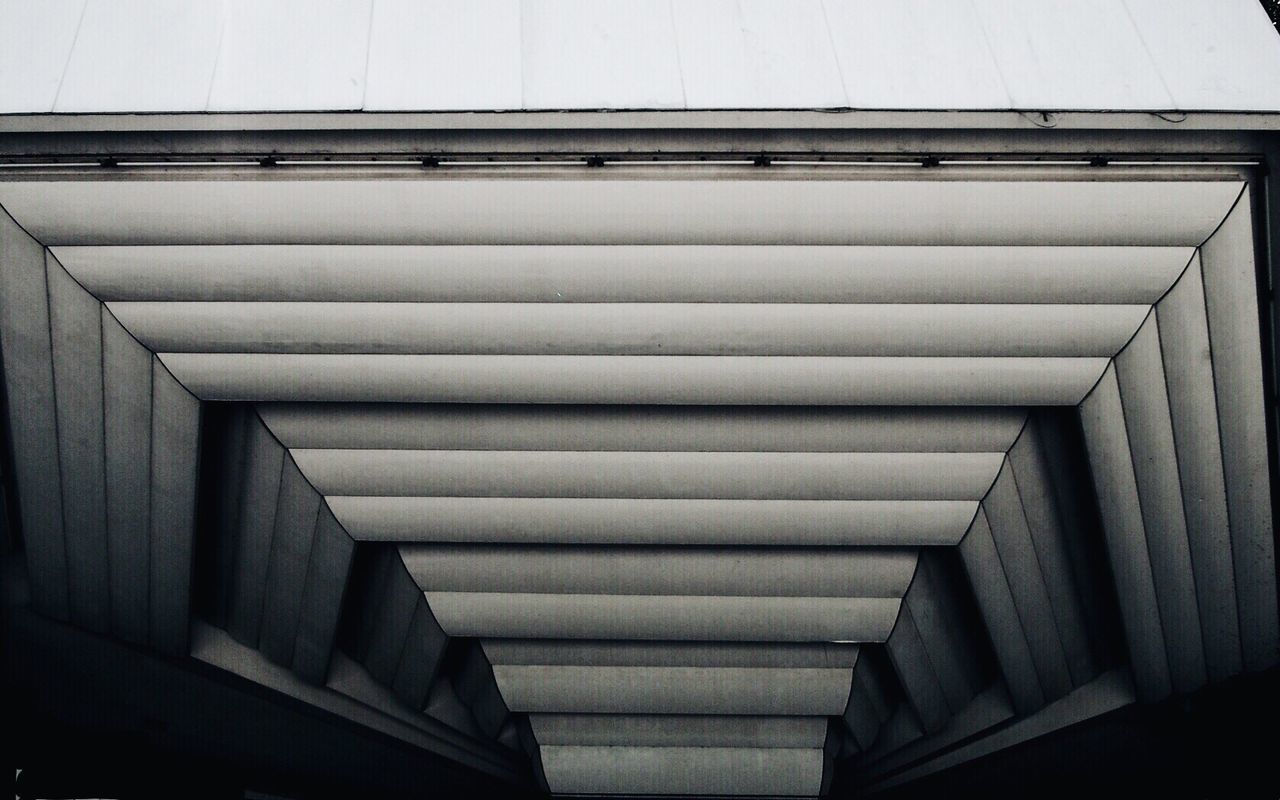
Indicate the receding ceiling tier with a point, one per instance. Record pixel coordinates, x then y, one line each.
656 273
659 480
620 206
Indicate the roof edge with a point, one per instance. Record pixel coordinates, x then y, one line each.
828 119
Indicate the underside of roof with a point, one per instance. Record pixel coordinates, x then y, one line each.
668 479
637 397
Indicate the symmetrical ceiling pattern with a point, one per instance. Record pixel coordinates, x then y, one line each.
671 480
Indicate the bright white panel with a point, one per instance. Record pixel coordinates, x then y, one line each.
913 54
291 55
35 43
1077 54
143 55
600 54
650 54
729 772
431 55
757 54
1213 54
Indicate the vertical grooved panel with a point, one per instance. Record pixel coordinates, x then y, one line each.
443 704
1012 537
902 728
231 472
175 451
1140 376
391 625
1230 288
369 576
860 716
942 642
1000 616
28 383
1107 440
479 690
918 676
76 333
322 596
1084 542
420 661
509 736
297 515
874 673
126 375
264 460
1184 342
962 626
1031 474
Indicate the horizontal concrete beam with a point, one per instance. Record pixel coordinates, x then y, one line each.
683 770
621 653
659 328
559 616
691 475
792 691
613 569
718 380
650 521
449 426
792 273
800 205
683 730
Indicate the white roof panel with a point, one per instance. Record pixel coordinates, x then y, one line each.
444 55
292 55
757 54
1220 55
35 42
499 55
1083 54
600 54
144 55
956 69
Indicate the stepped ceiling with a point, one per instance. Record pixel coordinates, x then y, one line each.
654 480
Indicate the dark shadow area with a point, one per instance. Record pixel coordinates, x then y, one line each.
1219 742
1078 503
217 506
1272 8
89 717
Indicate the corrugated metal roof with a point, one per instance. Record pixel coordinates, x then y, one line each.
85 56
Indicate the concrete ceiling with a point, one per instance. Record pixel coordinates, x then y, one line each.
670 480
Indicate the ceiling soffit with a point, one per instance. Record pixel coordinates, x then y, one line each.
659 477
